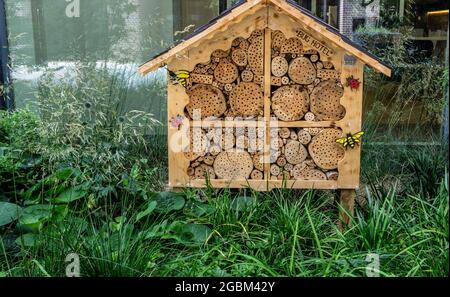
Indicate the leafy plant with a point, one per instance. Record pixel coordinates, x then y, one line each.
412 100
9 212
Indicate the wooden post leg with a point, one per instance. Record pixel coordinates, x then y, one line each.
173 189
347 207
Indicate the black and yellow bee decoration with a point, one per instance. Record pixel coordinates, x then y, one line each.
181 77
351 140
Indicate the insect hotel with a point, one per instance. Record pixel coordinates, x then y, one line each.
266 96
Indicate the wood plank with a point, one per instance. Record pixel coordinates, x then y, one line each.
267 94
178 164
346 207
255 123
264 185
282 5
235 16
227 123
290 26
304 124
349 166
248 9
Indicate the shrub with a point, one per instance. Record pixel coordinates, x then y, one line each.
20 163
417 82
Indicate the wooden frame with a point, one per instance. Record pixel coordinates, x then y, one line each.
268 16
247 9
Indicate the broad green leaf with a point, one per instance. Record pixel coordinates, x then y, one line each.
197 209
9 212
150 208
70 195
49 186
242 203
189 234
33 216
168 201
200 233
65 173
33 194
157 230
27 240
59 212
117 223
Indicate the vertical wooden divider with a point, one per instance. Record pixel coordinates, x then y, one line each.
349 166
267 73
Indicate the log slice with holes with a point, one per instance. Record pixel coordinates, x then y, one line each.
256 174
289 103
280 66
239 57
258 161
219 54
197 144
325 101
255 55
226 72
278 39
235 165
302 71
292 45
295 152
324 150
313 174
204 171
208 99
247 76
247 99
304 137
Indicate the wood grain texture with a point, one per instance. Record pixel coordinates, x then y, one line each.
267 94
265 185
279 20
269 15
321 30
241 16
349 166
346 207
247 10
178 164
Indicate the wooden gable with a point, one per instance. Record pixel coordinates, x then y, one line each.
286 73
252 14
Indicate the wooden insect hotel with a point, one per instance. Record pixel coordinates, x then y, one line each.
258 98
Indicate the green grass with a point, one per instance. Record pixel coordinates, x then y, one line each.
120 225
401 216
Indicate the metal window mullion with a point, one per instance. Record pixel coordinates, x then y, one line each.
7 94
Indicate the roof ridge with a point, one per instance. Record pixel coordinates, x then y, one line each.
343 41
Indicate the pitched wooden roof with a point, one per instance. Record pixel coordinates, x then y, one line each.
287 6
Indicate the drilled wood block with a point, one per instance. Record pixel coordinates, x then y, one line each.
201 78
275 81
328 74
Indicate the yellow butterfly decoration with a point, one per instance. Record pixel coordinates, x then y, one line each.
351 139
180 77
